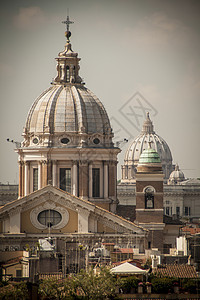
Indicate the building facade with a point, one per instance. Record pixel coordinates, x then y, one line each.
68 139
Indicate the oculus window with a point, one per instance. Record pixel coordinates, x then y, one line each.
64 140
49 217
96 141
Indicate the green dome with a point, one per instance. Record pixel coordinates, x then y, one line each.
149 156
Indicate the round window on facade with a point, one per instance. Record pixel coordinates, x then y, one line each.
35 141
96 141
49 217
64 141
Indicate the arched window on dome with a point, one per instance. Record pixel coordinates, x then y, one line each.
149 197
67 74
74 72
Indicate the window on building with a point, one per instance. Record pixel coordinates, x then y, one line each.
187 211
74 72
18 273
168 210
65 179
67 74
49 217
35 179
96 182
178 211
149 198
149 245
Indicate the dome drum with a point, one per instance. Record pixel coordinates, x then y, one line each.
67 140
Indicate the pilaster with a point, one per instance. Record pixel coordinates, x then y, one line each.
83 179
26 179
75 178
105 179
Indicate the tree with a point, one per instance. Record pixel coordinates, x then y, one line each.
51 289
101 286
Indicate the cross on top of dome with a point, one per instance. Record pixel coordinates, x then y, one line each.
67 22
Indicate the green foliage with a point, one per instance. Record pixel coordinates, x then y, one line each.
162 285
101 286
84 285
190 285
128 283
17 291
51 289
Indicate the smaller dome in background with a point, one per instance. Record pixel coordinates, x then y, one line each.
139 145
176 176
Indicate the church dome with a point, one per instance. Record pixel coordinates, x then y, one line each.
176 176
139 144
67 114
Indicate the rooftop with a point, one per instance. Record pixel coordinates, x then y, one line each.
177 271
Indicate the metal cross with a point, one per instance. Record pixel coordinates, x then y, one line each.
67 22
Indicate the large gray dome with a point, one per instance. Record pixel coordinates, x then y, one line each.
139 144
67 109
67 114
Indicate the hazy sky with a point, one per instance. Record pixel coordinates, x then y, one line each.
136 55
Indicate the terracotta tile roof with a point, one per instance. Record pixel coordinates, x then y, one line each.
191 230
126 250
137 262
177 271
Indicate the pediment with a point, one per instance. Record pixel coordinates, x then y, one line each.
49 197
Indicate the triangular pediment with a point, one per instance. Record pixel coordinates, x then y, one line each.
50 197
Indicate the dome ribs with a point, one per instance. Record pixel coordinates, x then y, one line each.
50 112
104 117
80 110
73 124
39 112
32 110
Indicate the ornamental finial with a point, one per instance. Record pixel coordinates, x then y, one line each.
67 22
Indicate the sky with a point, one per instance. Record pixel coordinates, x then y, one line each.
136 56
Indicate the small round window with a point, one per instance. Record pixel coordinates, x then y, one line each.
49 217
96 141
64 140
35 141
